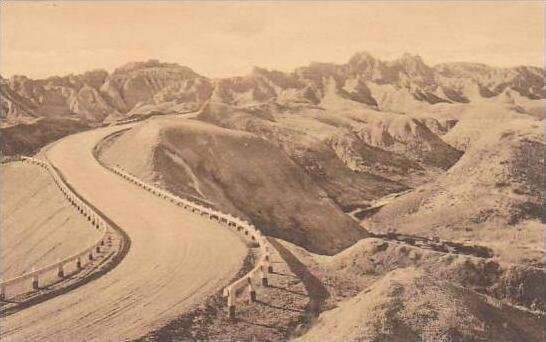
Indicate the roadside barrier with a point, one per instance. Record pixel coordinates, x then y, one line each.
56 271
257 277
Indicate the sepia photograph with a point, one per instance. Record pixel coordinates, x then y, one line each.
267 171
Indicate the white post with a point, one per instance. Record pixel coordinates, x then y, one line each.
263 273
267 265
34 279
231 304
60 269
251 291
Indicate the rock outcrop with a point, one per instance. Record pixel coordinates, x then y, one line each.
405 85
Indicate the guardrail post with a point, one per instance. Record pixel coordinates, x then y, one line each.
251 291
2 292
98 248
34 280
90 256
79 263
268 264
60 270
265 283
242 226
231 304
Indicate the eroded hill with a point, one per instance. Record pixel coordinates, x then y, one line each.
239 173
410 305
492 195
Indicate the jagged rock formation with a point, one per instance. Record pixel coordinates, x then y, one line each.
71 96
137 84
399 85
96 96
381 84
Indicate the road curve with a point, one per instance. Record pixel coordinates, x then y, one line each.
176 259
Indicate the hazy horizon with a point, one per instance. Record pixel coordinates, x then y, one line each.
229 39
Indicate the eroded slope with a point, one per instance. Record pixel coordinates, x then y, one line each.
493 195
38 225
410 305
239 173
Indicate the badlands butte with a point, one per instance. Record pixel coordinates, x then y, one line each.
403 202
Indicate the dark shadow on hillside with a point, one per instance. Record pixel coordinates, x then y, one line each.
317 292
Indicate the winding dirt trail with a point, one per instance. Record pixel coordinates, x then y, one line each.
176 260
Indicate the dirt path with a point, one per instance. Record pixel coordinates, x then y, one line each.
176 260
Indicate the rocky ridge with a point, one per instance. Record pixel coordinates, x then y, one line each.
97 96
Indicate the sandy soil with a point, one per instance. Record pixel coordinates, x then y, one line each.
176 260
389 291
409 305
54 230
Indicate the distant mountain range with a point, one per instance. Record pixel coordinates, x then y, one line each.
144 88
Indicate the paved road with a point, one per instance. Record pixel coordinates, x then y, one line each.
175 261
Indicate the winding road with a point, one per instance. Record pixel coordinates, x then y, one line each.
175 261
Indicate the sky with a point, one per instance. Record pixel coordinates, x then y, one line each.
222 39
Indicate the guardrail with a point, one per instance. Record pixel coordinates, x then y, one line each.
89 253
263 266
127 121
